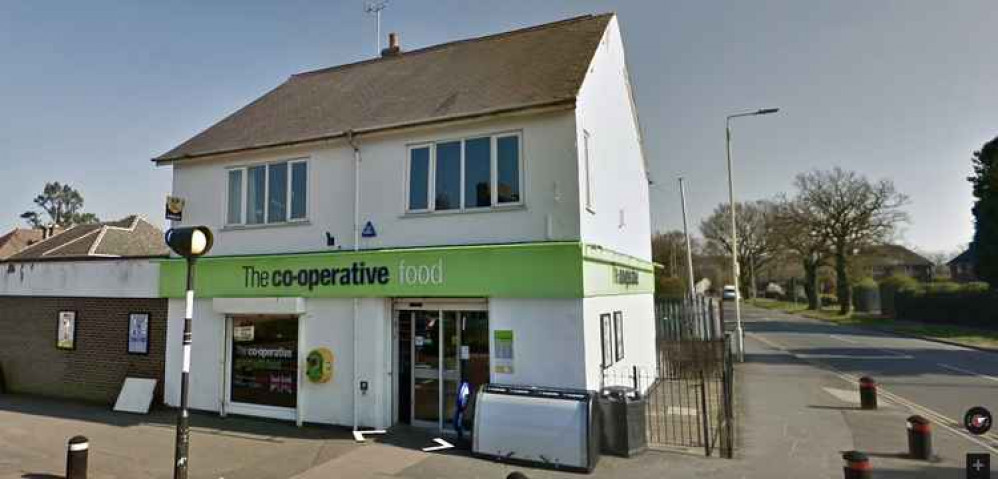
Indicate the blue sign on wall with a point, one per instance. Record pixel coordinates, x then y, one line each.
368 231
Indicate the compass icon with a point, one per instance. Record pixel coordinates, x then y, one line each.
977 420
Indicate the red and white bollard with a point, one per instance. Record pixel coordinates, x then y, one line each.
867 393
857 465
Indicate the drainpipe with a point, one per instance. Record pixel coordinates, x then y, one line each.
356 247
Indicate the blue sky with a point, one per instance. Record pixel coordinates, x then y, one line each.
903 89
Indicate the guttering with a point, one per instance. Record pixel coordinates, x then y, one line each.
356 247
547 104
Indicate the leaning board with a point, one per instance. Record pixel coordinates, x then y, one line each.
135 395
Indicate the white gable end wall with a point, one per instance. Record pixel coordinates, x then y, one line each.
619 218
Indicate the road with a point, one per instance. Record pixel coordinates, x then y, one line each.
936 380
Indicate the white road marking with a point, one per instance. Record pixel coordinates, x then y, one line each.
443 445
966 371
359 435
845 340
851 356
937 418
843 395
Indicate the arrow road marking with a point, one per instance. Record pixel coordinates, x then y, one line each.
359 435
443 445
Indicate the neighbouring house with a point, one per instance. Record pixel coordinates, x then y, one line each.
19 238
881 261
472 211
80 311
961 267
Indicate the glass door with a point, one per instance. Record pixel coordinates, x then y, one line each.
426 350
442 348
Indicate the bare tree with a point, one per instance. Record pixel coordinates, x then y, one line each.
849 212
669 250
756 245
62 204
796 232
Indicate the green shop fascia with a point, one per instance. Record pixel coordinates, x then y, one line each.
529 270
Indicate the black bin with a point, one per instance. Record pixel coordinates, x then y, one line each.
622 417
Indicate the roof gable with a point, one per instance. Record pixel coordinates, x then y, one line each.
531 67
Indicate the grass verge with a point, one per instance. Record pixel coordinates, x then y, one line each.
956 334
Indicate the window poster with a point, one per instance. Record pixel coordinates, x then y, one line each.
138 333
606 337
265 361
618 335
504 351
66 331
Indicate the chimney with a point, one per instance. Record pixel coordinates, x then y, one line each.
393 49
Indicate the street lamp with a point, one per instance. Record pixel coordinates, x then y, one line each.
191 243
734 227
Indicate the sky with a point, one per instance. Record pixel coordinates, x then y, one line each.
903 90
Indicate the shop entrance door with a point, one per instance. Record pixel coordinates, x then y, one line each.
262 369
439 348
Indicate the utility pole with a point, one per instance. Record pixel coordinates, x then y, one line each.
686 232
376 8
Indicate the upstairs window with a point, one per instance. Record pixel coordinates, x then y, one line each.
273 193
476 173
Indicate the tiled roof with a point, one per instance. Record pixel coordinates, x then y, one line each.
131 236
531 67
892 255
18 239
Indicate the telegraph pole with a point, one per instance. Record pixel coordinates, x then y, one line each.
686 232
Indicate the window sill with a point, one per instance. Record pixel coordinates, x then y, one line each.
432 214
266 225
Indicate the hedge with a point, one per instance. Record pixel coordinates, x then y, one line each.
889 288
947 303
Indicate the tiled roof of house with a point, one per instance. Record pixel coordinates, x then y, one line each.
967 256
131 236
892 255
18 239
532 67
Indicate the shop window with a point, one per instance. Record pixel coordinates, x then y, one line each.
618 335
469 174
606 339
267 194
264 361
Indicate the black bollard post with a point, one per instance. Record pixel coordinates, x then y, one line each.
919 438
76 457
857 465
867 393
517 475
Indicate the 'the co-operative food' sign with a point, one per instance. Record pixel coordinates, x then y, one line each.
537 270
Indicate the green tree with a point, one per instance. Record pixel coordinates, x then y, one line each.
985 183
796 231
849 212
61 206
756 242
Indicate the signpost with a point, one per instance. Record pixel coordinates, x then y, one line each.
191 243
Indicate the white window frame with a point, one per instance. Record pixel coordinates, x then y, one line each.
244 203
493 174
590 182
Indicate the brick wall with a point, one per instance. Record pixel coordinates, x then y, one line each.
97 368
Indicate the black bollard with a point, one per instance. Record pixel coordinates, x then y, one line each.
867 393
516 475
76 457
857 465
919 438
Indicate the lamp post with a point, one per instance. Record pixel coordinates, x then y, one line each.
191 243
739 332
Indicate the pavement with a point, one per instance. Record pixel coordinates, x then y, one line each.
797 409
